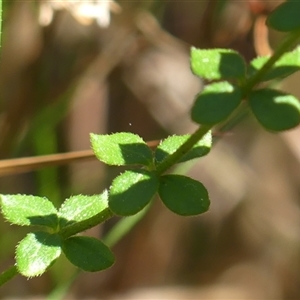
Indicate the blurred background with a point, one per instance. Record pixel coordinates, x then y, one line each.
69 68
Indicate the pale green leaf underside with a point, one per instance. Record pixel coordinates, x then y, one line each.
28 210
36 252
169 145
288 64
120 149
80 207
216 64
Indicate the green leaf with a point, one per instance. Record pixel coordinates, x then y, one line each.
87 253
79 208
183 195
28 210
131 191
285 17
288 64
215 103
36 252
275 110
121 149
216 64
169 145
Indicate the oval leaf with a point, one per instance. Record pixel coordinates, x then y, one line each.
285 17
169 145
275 110
36 252
88 254
215 103
215 64
120 149
183 195
28 210
79 208
288 64
131 191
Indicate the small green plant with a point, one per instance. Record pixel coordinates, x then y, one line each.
235 84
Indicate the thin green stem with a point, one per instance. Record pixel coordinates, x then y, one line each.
246 88
62 289
161 168
182 150
86 224
124 226
290 41
8 274
120 230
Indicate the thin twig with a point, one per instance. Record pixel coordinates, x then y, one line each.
27 164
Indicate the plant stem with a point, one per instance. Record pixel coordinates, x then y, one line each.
182 150
124 226
248 86
86 224
290 41
62 289
8 274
